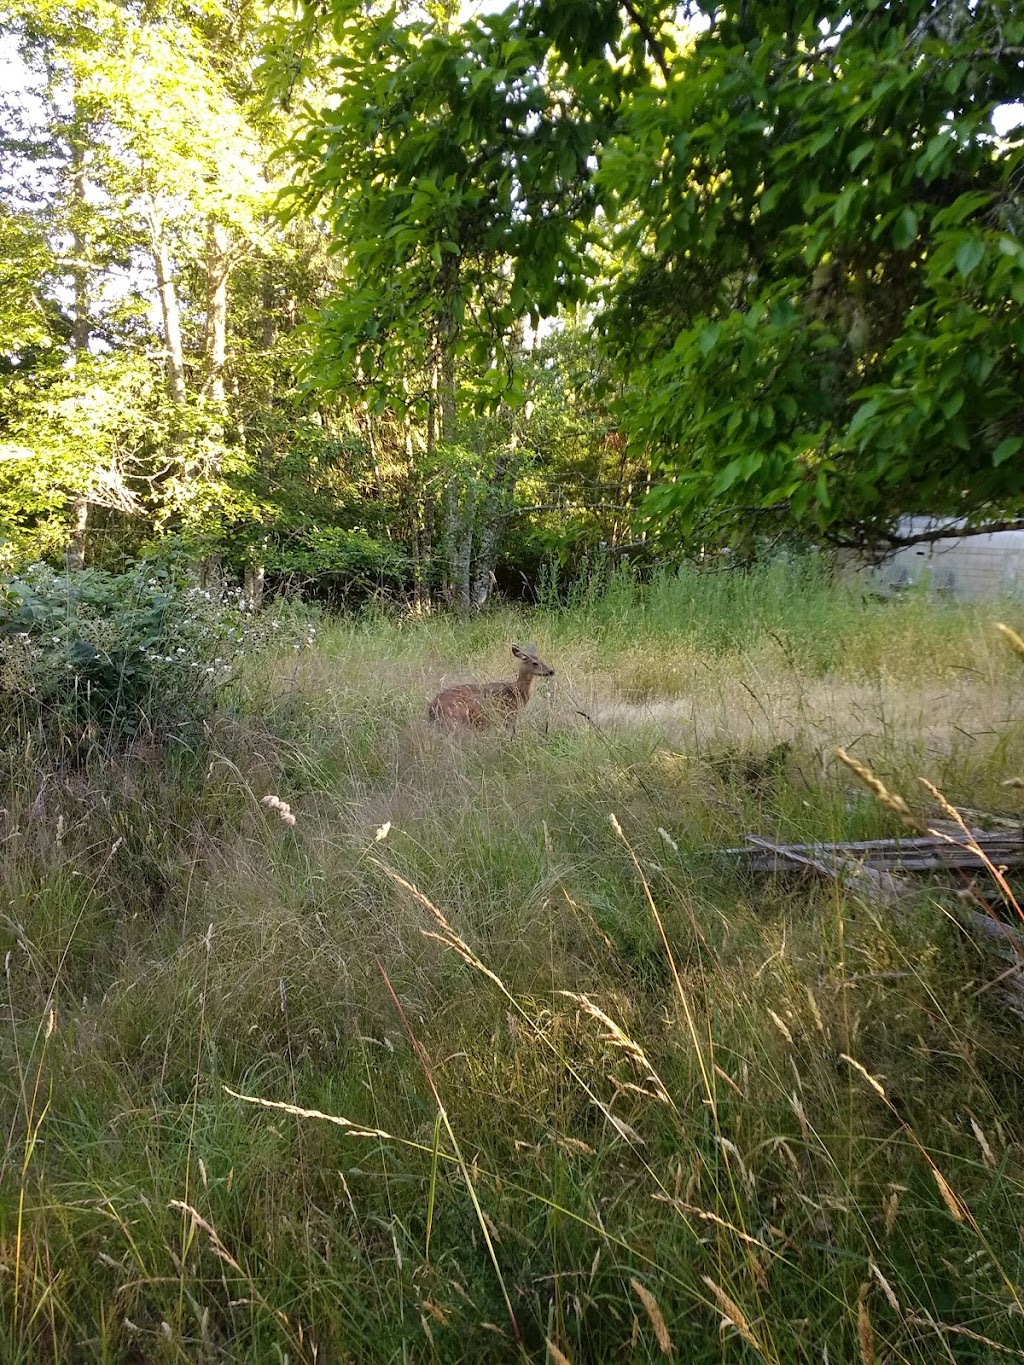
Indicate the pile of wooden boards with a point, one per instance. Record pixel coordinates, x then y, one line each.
892 857
880 870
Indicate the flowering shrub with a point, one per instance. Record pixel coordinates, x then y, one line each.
115 656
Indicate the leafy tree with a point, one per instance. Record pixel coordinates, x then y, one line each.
454 173
811 237
141 176
821 316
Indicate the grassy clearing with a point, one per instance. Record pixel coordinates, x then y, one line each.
609 1102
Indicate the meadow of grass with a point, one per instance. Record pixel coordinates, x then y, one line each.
457 1067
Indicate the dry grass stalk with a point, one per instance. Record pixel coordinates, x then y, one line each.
216 1245
891 800
617 1037
554 1354
983 1143
282 808
781 1025
654 1314
692 1211
950 1200
955 1206
970 842
865 1331
1011 637
951 1329
876 1085
354 1129
734 1315
448 937
887 1289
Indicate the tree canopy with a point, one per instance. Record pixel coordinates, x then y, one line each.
795 226
400 295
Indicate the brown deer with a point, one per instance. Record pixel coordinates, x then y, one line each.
480 703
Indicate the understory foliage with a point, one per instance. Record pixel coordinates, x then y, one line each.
95 658
341 1039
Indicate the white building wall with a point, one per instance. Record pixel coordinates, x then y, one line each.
968 568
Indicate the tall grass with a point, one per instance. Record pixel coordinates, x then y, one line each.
522 1082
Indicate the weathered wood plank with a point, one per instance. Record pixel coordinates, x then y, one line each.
912 854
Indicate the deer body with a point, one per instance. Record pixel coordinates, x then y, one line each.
478 704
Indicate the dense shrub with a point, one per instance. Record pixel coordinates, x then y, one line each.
95 656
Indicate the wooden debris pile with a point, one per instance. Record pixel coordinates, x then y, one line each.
881 871
885 857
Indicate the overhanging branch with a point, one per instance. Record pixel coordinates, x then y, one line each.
864 537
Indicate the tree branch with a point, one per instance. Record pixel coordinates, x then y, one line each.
653 42
950 531
575 507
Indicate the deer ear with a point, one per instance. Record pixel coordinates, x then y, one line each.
517 652
531 650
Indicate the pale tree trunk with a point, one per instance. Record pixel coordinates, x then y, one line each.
464 562
210 576
420 512
457 519
169 313
218 269
74 553
254 583
79 249
268 322
447 387
492 522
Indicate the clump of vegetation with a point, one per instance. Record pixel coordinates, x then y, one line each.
95 657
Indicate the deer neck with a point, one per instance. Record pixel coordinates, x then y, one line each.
523 684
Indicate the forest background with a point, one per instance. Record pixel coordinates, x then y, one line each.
361 298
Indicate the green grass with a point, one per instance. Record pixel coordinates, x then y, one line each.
714 1134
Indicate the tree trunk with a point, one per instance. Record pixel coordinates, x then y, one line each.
458 511
492 522
210 577
255 573
447 386
168 307
254 583
464 562
74 554
218 269
268 321
450 538
79 247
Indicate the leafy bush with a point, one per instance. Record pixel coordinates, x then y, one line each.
98 656
332 555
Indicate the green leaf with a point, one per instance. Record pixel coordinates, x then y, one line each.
904 230
1006 449
863 415
970 255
